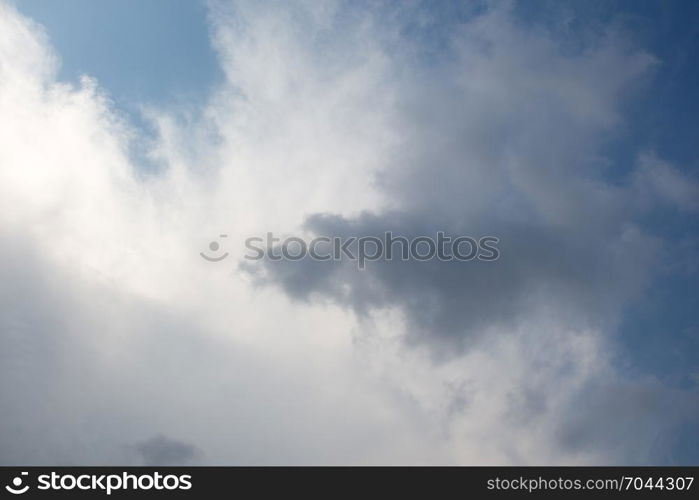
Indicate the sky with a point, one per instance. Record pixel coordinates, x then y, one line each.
132 134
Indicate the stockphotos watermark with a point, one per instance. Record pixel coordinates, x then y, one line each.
105 483
363 249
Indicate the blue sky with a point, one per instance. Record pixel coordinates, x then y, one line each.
150 52
141 52
568 129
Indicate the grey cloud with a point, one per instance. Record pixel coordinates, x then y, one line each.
497 132
161 451
63 402
90 372
500 138
502 135
630 420
585 273
657 182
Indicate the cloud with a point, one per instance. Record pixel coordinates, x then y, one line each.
501 136
113 329
657 182
161 450
585 273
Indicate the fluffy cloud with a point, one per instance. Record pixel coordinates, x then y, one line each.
114 330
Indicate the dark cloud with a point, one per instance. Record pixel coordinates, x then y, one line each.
500 138
585 273
161 451
504 136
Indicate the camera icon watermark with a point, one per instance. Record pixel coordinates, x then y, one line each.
16 487
214 247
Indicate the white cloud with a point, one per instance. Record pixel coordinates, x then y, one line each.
656 180
114 330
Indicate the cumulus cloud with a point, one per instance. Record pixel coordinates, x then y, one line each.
331 119
501 138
